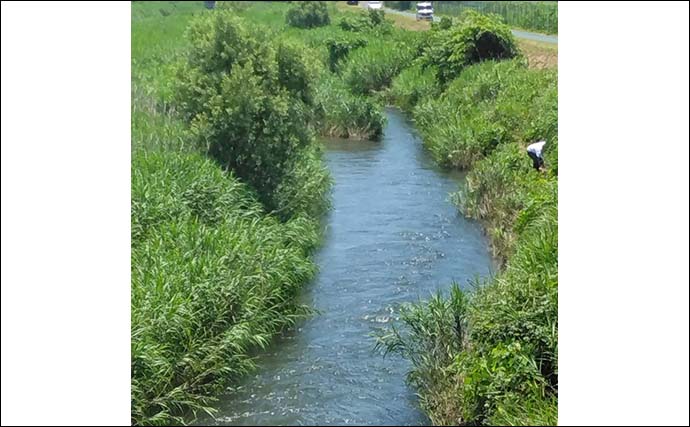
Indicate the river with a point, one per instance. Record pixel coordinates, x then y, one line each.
391 237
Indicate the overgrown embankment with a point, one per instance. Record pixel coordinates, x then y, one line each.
488 355
227 191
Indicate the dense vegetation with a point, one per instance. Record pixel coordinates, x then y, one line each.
228 188
541 16
473 39
488 355
227 192
308 14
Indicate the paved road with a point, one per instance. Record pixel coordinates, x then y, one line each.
517 33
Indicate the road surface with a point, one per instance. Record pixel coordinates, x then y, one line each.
517 33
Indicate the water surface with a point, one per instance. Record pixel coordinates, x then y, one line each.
391 237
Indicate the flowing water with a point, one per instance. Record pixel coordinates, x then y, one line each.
391 237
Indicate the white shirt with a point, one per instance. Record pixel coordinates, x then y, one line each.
536 148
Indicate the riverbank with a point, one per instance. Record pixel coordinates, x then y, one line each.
217 256
226 170
490 356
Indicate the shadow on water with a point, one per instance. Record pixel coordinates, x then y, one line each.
392 237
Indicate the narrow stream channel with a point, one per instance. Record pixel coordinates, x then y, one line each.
392 237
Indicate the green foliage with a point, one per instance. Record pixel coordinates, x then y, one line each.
235 6
489 104
213 275
478 356
374 20
339 48
377 17
399 5
249 100
445 24
473 39
212 278
541 16
355 23
372 68
411 86
343 114
308 14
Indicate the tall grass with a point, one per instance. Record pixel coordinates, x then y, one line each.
541 16
214 274
412 86
212 278
342 114
489 355
489 104
372 68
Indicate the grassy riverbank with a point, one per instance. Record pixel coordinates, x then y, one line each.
490 355
228 188
217 255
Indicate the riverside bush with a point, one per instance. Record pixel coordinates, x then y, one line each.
339 48
212 278
373 20
308 14
213 274
491 355
372 68
487 105
411 86
474 38
342 114
249 100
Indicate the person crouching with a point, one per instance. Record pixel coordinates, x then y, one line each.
535 153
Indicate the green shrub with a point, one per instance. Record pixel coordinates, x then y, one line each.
445 24
487 105
491 355
355 23
411 86
373 20
339 48
473 39
249 100
377 17
372 68
308 14
212 278
343 114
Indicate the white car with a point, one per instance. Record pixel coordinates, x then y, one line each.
425 11
374 5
